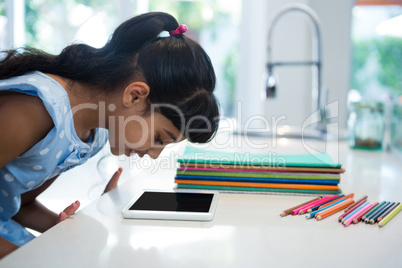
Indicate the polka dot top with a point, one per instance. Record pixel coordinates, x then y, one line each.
59 151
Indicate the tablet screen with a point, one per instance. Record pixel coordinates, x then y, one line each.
170 201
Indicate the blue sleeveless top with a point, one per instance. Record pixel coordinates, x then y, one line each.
59 151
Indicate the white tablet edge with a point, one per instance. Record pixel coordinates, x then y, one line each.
167 215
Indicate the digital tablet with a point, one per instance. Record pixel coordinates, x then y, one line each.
173 205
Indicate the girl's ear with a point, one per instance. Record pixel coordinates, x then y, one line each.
135 94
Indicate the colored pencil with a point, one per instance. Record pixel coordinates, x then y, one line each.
385 213
296 211
336 200
289 210
375 210
351 219
352 208
355 211
359 218
357 202
372 210
373 218
317 206
320 201
338 207
390 215
312 214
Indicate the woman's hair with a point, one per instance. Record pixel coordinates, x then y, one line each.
177 70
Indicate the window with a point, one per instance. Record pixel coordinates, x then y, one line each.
52 25
377 49
3 25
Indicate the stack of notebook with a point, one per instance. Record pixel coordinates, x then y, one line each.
262 173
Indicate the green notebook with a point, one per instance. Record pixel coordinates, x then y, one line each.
200 156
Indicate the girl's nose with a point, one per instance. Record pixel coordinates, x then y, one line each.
154 152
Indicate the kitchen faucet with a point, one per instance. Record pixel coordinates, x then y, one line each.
316 63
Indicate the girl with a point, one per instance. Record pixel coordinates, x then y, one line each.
140 91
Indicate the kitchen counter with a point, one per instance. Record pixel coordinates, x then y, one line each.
247 230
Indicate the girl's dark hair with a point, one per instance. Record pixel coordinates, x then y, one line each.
178 71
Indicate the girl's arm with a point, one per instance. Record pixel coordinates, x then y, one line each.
29 215
6 247
36 216
24 121
33 214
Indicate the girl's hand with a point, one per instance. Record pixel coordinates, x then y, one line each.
70 210
113 181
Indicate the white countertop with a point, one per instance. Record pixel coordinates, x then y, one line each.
247 230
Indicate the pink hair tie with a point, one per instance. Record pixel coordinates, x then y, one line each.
180 30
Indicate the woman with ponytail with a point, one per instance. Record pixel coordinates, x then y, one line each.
141 91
